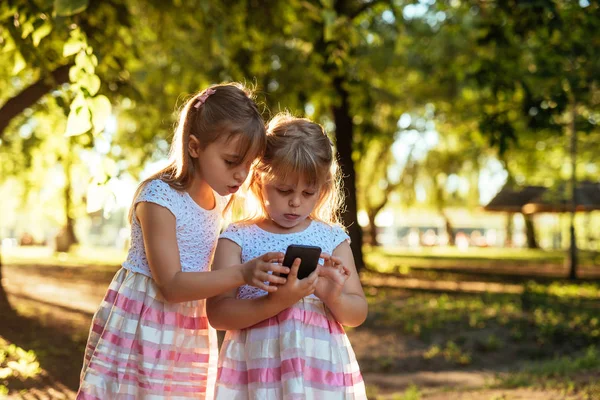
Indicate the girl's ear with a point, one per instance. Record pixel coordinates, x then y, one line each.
194 146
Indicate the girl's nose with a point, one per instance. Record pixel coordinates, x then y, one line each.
240 175
294 202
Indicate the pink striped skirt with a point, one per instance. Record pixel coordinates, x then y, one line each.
302 353
141 347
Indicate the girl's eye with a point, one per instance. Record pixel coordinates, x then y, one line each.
284 191
230 163
308 194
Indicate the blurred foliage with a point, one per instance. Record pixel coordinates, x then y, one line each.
16 363
486 76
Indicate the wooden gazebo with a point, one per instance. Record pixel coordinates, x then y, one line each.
530 200
540 199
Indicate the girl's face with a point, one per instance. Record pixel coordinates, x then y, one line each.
220 164
289 203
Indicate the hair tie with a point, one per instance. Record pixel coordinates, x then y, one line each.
202 98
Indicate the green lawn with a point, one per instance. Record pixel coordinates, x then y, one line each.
547 338
400 259
80 256
563 373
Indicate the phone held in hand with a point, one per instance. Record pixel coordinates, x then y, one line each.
309 256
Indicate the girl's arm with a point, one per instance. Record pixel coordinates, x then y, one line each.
350 306
226 312
160 241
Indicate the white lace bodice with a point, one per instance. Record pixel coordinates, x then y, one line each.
255 242
197 228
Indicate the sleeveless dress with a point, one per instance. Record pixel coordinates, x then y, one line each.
140 346
301 353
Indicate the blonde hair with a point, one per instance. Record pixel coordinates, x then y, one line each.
225 109
298 146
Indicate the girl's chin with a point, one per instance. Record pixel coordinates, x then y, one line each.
287 223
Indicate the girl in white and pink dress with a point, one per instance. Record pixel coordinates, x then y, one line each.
290 344
150 338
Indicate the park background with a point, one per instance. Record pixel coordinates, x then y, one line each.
467 132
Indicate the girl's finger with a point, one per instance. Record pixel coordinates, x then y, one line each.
261 276
279 268
336 260
266 266
276 279
269 288
274 255
266 288
295 266
314 275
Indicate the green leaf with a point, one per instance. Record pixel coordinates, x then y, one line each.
27 28
20 63
329 18
75 74
9 45
65 8
85 62
101 109
72 46
78 121
91 82
41 33
9 12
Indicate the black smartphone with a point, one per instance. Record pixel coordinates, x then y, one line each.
309 256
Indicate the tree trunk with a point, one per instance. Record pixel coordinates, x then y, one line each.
449 229
530 232
372 229
508 240
344 140
4 304
66 238
6 308
573 259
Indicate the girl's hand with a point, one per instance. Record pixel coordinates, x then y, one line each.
334 274
295 289
255 271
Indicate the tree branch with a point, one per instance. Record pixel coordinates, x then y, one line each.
30 95
384 156
365 6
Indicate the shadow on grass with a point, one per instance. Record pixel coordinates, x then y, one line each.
56 343
454 329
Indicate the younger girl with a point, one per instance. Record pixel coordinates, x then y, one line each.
290 344
150 337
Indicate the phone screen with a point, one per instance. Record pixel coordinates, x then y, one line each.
309 256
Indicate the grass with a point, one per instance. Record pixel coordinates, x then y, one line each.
461 328
16 364
544 325
401 260
451 352
562 373
80 256
411 393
